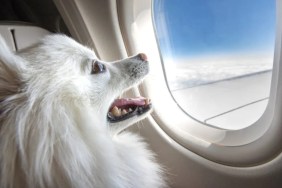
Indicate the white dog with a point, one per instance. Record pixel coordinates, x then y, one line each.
56 99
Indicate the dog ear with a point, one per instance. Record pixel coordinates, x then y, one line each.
11 69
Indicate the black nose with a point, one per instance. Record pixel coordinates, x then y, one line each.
97 67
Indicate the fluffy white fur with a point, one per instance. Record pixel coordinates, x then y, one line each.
54 131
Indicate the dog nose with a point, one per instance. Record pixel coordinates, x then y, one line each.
143 56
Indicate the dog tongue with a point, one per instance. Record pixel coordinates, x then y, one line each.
138 101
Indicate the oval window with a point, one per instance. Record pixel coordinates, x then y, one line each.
217 57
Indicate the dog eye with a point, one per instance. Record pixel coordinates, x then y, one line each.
97 67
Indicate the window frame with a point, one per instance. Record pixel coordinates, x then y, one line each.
230 147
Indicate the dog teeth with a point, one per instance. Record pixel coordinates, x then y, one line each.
119 112
129 110
116 111
123 112
147 101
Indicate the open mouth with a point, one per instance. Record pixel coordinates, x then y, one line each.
125 108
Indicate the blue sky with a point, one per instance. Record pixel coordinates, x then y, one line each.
204 27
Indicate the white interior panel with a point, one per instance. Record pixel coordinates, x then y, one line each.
19 36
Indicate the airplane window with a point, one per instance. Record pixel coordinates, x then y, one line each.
217 56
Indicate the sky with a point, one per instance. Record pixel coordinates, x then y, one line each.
188 28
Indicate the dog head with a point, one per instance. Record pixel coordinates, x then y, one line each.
60 68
